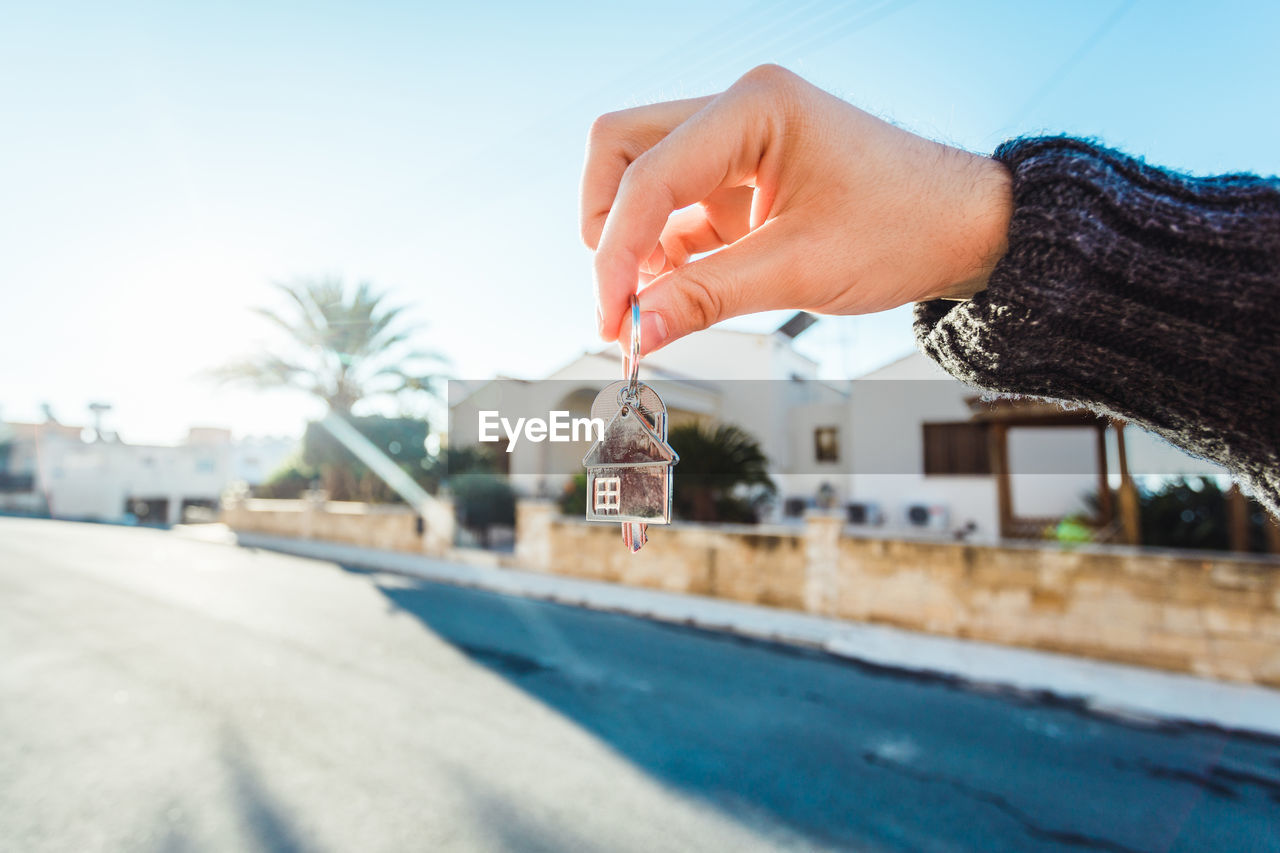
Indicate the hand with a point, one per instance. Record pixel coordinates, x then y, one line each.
804 201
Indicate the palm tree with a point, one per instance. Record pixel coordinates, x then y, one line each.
342 347
723 474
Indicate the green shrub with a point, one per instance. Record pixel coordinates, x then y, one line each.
723 475
573 501
289 481
482 500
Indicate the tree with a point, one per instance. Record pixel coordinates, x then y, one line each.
1185 513
439 471
401 440
723 474
1192 512
481 501
288 481
341 346
573 500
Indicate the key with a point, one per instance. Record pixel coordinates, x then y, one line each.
629 470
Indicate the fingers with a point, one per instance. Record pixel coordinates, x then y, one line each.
759 272
717 147
615 141
725 216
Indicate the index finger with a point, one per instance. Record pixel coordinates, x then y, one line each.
719 146
615 141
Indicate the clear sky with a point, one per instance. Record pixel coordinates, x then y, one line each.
161 164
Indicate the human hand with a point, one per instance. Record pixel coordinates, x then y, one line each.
804 201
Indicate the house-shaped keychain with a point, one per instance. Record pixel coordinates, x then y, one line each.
629 470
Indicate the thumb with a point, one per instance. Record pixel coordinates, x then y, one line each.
759 272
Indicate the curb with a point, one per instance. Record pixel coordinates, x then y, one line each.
1138 695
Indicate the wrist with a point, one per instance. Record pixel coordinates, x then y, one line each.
981 232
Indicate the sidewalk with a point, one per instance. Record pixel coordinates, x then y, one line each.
1131 692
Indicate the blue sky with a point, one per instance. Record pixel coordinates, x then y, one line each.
164 163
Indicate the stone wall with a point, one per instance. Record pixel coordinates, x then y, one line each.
391 527
743 564
1207 614
1215 616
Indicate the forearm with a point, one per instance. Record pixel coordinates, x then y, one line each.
1147 295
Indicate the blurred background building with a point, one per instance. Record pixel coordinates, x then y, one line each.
76 472
904 448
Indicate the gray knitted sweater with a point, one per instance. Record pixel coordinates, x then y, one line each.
1140 293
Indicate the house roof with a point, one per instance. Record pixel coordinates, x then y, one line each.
913 365
629 442
17 430
653 371
469 389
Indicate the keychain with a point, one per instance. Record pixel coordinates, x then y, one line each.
629 477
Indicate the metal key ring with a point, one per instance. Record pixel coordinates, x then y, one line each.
633 386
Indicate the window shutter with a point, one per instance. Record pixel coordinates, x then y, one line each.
956 449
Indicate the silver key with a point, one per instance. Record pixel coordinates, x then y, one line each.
629 476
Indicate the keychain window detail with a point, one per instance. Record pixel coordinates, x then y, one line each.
608 490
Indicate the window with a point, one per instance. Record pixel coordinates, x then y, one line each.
826 444
608 493
956 449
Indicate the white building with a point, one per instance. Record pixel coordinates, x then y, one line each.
903 449
51 469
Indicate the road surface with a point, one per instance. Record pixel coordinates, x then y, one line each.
164 694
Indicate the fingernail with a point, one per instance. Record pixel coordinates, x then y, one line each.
599 322
653 331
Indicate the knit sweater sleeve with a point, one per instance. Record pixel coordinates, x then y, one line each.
1140 293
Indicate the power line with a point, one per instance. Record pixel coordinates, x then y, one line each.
1068 65
853 24
743 29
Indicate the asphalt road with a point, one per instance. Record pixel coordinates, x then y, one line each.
158 693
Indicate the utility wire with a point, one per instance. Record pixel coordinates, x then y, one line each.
853 24
1068 65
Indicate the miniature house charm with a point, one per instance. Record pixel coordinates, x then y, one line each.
629 467
629 472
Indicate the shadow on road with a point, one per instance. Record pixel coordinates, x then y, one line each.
263 816
264 820
783 738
